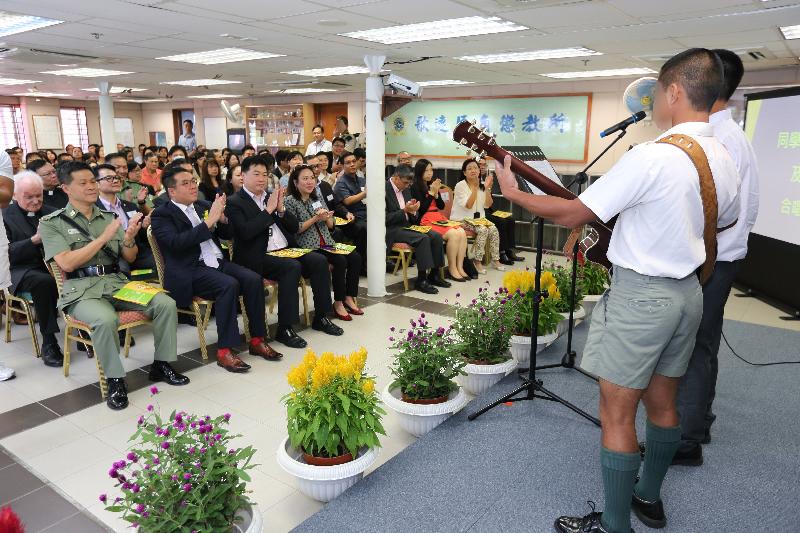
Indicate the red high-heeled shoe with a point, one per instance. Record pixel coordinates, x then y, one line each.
346 318
357 312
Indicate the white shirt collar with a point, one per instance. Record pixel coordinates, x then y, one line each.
258 199
720 116
702 129
182 207
110 205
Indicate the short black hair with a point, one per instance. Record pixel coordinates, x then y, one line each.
178 163
36 164
66 169
64 156
337 140
699 71
404 171
733 71
293 154
149 155
344 156
280 156
292 189
132 165
321 129
343 119
248 147
268 160
31 155
109 157
168 176
189 121
252 161
96 146
178 148
360 153
106 166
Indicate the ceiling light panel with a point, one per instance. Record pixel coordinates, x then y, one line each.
533 55
12 23
435 83
303 90
199 83
332 71
86 72
13 81
223 55
42 94
437 29
636 71
214 96
791 32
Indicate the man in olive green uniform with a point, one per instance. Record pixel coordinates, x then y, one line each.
86 243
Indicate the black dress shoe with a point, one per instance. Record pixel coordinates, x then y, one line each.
513 255
439 282
690 457
427 288
117 397
505 260
326 326
650 513
706 438
162 371
187 320
52 356
586 524
453 278
287 336
122 339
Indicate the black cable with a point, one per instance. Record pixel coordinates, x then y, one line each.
756 364
425 58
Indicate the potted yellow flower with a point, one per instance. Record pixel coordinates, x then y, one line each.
334 419
519 286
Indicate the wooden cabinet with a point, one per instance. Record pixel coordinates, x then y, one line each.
279 126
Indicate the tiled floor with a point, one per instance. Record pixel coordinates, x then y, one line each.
57 440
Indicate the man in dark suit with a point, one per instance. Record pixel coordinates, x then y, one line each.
401 212
260 224
53 196
187 232
26 256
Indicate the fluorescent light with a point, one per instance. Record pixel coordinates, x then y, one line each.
437 29
303 90
791 32
636 71
11 23
434 83
140 100
116 90
199 83
332 71
559 53
213 96
86 72
42 95
223 55
12 81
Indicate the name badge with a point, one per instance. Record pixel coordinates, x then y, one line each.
316 205
329 198
445 196
73 231
362 189
130 213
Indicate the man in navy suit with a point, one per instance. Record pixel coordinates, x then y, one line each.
187 232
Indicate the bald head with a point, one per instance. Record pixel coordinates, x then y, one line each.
28 191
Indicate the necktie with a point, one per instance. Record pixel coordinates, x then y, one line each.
207 252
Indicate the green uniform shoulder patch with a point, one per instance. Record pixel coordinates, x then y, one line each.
54 214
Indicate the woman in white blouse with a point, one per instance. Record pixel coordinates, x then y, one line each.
470 199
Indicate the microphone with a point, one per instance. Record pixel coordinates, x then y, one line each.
636 117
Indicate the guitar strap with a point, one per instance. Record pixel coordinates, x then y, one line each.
708 194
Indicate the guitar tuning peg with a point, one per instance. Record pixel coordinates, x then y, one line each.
463 141
483 153
494 135
474 147
473 122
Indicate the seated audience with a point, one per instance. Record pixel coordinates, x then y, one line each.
361 162
151 174
247 151
320 143
77 153
53 195
32 156
293 159
91 267
316 223
133 190
281 163
51 157
234 182
188 232
211 183
231 160
324 163
64 157
403 158
403 211
25 252
428 192
351 191
505 226
261 224
471 197
337 151
177 152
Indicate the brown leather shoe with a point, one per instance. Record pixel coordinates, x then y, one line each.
266 351
232 363
20 320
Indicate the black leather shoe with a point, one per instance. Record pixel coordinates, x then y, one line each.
287 336
513 255
691 457
187 320
52 356
504 259
326 326
586 524
439 282
427 288
122 339
117 394
650 513
162 371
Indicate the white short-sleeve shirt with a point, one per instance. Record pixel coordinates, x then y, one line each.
655 190
732 243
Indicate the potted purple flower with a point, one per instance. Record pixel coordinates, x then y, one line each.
181 474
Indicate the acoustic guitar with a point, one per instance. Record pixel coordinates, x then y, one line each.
595 245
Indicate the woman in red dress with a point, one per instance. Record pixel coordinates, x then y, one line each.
428 192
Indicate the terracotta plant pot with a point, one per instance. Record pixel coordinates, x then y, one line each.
426 401
327 461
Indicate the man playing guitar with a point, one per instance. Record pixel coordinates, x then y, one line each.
643 329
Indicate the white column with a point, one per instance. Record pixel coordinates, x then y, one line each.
376 192
107 132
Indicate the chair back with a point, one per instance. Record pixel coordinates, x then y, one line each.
57 274
158 258
227 245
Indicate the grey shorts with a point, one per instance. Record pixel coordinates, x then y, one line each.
641 326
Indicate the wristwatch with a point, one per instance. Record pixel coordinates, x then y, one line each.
129 245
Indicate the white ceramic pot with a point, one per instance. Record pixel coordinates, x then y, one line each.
589 301
579 314
521 346
251 520
419 419
480 378
323 483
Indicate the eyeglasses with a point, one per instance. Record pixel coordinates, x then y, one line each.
110 178
187 183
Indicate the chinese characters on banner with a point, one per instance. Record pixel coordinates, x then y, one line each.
790 140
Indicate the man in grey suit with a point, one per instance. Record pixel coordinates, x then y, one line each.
402 211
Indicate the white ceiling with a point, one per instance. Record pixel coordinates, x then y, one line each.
628 32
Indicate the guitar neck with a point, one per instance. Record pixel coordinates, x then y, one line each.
531 175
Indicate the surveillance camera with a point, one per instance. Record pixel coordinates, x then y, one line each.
403 85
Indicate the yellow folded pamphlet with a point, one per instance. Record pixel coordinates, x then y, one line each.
137 292
420 229
339 221
291 253
480 222
501 214
448 223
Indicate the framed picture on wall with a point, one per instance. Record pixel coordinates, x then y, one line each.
47 131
